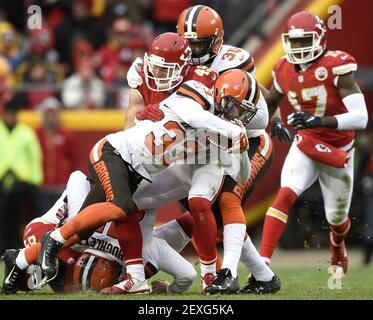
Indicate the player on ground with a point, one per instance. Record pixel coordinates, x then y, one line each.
328 107
79 266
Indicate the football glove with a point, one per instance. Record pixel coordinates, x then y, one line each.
279 130
133 77
150 112
242 139
302 120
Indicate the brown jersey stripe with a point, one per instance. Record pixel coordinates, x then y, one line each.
189 92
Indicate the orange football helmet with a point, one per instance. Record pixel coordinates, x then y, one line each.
236 95
203 28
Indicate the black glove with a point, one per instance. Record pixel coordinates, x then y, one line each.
279 130
302 120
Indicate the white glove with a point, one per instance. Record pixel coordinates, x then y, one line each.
133 77
242 140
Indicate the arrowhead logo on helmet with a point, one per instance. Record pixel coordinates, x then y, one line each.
166 62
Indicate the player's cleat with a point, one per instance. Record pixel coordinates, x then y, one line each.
47 258
206 280
338 254
262 287
223 283
128 285
12 272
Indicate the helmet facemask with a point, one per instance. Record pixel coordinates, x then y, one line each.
230 108
161 75
203 49
311 50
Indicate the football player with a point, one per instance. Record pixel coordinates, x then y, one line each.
161 74
234 98
203 28
121 160
327 107
77 271
150 90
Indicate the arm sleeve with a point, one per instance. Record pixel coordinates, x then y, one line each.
357 116
193 114
260 120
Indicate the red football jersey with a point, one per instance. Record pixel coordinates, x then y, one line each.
201 74
314 90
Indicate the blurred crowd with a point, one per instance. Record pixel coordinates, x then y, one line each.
83 50
80 55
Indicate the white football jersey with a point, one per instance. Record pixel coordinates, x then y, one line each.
231 57
151 146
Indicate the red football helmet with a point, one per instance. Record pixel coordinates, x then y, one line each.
304 38
236 95
166 62
203 28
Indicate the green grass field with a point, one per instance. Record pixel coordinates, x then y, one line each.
297 283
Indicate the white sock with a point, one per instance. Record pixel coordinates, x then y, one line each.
267 260
56 235
234 234
136 271
208 268
251 258
21 261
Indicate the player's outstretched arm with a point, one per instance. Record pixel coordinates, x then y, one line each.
136 103
273 98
